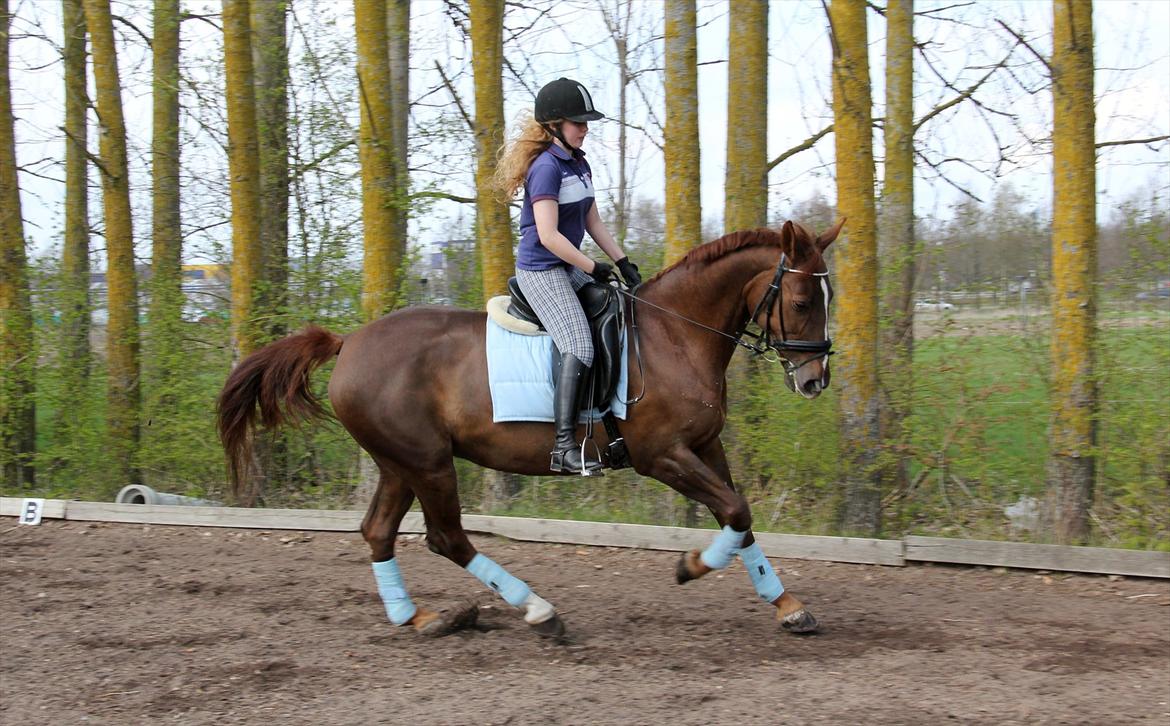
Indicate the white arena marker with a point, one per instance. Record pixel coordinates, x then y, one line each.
30 511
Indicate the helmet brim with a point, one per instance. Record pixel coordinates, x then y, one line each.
584 117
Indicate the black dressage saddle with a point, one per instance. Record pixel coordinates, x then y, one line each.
602 306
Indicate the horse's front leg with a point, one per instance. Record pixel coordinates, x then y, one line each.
710 484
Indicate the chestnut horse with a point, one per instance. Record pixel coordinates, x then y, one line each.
412 389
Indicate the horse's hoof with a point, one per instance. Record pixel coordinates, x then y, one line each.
688 564
554 627
459 618
800 622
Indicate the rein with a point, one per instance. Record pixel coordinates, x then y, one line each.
762 342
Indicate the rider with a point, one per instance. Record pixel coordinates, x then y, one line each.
547 160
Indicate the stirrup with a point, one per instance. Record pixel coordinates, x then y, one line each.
587 468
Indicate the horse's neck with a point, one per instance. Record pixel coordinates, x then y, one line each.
711 294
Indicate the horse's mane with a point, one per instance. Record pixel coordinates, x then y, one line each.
728 243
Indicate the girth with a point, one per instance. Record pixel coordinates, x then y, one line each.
602 306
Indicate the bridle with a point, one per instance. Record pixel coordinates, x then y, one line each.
763 343
763 339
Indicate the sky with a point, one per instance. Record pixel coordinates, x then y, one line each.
1133 89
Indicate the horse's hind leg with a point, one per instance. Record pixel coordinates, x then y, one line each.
390 504
438 494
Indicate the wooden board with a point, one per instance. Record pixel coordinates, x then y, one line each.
307 519
836 549
53 509
678 539
1101 560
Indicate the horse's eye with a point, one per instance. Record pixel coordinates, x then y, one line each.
800 305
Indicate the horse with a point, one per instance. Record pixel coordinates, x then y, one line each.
412 390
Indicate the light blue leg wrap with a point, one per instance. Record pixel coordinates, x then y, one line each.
514 590
760 570
399 608
719 554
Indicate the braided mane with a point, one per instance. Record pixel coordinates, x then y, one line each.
728 243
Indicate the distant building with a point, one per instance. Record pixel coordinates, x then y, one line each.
207 289
450 273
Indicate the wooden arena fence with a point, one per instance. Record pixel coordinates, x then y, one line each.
897 552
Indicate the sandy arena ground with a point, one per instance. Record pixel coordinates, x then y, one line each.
132 624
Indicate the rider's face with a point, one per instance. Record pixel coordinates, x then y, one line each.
574 132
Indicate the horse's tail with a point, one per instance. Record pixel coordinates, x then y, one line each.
274 379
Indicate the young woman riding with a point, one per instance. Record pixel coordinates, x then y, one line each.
558 209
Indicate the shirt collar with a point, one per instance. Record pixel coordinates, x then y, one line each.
560 153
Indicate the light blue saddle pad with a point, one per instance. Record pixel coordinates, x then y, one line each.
520 377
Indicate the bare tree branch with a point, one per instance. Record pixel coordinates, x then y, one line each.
944 8
1124 142
802 146
93 159
961 97
937 167
300 171
145 38
1026 44
455 96
442 195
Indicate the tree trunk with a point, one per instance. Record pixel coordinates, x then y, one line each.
500 489
383 251
270 62
163 365
17 350
897 235
856 270
244 169
121 284
398 43
684 214
75 358
493 223
746 182
1073 430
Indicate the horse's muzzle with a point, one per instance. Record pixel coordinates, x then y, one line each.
808 378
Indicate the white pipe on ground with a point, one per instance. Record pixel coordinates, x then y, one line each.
142 494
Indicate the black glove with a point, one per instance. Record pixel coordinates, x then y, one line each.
602 272
629 272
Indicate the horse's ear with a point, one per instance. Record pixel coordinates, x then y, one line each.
824 239
788 238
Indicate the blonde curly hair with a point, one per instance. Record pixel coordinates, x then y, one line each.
516 155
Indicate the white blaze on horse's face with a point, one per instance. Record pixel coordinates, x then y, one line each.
811 375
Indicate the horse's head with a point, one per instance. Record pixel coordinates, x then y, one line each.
791 305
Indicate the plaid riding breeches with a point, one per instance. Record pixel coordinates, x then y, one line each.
552 296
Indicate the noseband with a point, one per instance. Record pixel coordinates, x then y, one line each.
764 341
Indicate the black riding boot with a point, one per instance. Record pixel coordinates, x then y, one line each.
566 453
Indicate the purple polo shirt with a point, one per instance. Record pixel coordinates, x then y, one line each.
554 175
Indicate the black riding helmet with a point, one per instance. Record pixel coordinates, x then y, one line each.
567 99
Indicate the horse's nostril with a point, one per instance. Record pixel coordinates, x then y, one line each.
813 386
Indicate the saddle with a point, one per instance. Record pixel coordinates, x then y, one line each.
602 306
